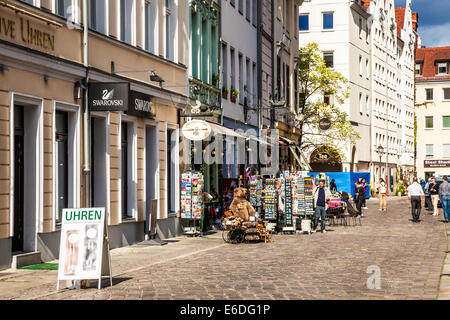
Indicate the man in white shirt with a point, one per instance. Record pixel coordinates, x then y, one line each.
416 195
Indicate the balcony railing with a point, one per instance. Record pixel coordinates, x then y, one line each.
207 94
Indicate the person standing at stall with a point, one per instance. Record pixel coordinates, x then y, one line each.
364 186
321 197
415 194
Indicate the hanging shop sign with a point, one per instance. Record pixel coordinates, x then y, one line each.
84 246
141 105
109 96
436 163
324 124
196 130
322 156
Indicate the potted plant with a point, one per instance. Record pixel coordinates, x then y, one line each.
215 80
400 189
234 94
225 91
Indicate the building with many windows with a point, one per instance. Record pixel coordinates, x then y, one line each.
55 155
433 111
372 44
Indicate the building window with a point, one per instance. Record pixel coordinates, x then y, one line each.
255 12
303 22
367 105
172 180
98 15
360 103
360 66
446 150
327 98
224 64
232 69
360 28
367 68
429 150
127 170
446 122
328 57
446 93
247 10
327 21
151 26
126 20
171 29
442 68
418 69
241 79
63 8
241 6
429 94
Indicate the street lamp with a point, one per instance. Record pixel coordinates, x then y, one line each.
380 151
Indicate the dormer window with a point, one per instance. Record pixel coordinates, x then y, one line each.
442 68
418 70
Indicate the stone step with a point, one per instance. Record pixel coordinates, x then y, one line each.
26 259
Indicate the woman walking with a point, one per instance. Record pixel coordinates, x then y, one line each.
364 186
382 194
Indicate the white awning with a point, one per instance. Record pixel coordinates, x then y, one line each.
218 129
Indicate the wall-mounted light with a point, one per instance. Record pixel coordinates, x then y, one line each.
47 78
3 67
77 90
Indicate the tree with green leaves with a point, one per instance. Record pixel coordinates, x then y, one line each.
322 91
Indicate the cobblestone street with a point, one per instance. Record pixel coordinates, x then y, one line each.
318 266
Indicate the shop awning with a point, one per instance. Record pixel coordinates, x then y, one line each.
218 129
292 148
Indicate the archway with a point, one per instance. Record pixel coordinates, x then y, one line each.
325 159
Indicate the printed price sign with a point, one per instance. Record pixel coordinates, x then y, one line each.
84 249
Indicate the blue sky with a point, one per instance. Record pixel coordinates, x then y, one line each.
434 21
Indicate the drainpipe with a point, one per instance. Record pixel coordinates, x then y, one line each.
87 160
259 62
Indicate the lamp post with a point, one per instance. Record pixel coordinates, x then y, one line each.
380 150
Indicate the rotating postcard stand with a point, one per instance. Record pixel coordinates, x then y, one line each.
192 201
84 246
270 204
255 193
287 197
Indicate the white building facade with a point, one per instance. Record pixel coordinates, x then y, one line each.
373 48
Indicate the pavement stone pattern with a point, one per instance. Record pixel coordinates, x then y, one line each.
333 265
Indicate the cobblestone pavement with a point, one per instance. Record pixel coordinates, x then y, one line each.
318 266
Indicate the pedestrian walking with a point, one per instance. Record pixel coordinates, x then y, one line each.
382 189
321 197
433 189
364 186
422 183
428 201
415 194
444 193
360 196
333 186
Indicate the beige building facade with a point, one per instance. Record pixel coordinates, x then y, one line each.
43 76
433 112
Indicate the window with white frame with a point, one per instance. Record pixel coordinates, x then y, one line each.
429 150
127 20
360 66
29 1
97 18
446 150
128 175
446 93
327 21
360 103
367 105
241 78
442 68
232 69
360 28
224 64
171 29
255 12
63 8
151 26
429 94
446 122
367 68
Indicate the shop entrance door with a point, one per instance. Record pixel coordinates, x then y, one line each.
98 162
17 240
151 170
124 170
62 151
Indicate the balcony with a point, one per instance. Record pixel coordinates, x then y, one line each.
206 93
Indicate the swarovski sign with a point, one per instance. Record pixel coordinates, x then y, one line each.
141 105
108 96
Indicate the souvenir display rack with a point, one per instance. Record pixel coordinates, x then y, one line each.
192 200
270 199
255 192
287 198
309 200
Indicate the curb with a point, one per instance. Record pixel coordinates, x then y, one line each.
444 286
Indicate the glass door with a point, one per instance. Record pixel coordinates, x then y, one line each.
17 240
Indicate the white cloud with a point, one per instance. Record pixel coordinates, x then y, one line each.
436 35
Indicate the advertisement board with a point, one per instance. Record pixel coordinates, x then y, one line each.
84 248
141 105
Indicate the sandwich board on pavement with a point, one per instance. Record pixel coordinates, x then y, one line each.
84 247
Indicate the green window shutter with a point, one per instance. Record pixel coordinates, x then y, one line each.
446 121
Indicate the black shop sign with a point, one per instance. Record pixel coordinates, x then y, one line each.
109 96
141 105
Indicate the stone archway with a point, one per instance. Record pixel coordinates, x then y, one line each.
325 159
